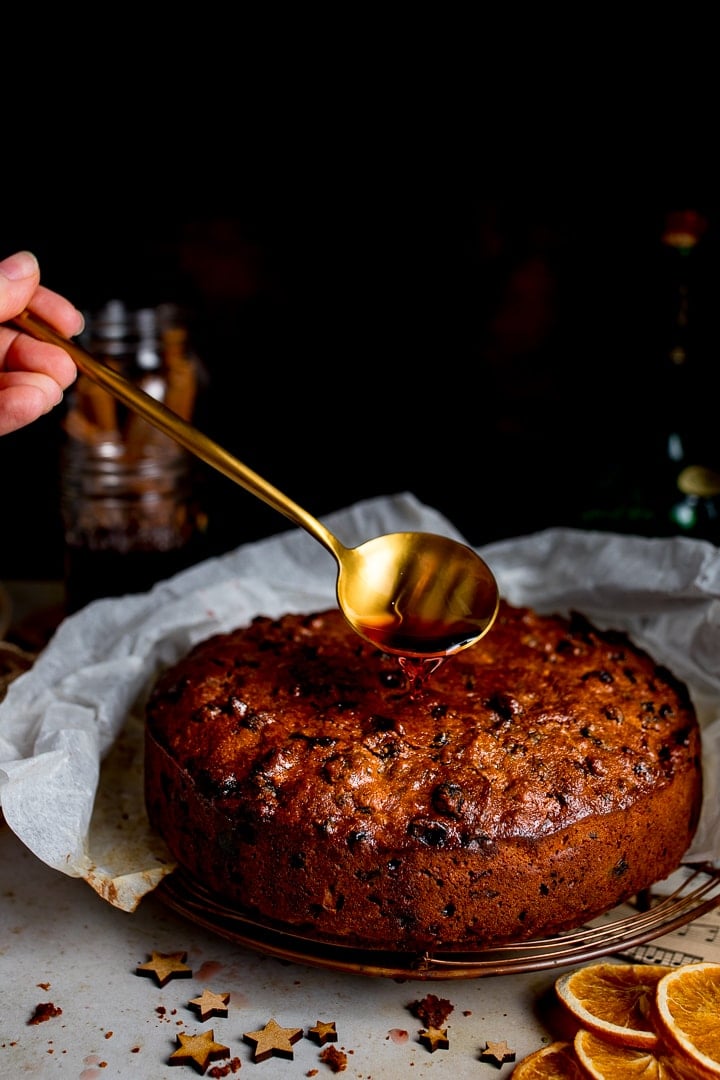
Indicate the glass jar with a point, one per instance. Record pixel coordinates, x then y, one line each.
130 497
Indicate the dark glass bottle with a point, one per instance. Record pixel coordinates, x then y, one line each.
690 492
660 475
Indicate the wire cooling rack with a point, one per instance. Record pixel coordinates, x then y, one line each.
695 890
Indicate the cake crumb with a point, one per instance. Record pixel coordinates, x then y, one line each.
217 1072
336 1059
431 1010
44 1011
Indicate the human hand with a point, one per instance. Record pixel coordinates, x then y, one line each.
33 374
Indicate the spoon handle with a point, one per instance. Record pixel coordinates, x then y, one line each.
178 429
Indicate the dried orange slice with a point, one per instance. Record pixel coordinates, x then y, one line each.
614 1001
554 1062
603 1060
687 1002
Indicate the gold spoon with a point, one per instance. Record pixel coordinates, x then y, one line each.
416 595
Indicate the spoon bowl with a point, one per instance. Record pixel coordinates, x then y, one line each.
416 594
413 594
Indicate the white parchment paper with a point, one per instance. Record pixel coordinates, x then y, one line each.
71 727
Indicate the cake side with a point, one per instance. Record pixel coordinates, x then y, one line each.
539 778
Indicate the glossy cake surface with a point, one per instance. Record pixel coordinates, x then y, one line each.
536 780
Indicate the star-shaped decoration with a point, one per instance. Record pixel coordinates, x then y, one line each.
198 1050
435 1039
497 1053
210 1004
165 966
323 1033
273 1041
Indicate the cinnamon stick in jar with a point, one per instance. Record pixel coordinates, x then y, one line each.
91 415
181 375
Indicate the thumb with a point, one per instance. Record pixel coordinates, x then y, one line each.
19 278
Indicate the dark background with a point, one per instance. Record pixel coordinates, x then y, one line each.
500 359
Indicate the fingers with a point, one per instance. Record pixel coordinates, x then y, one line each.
20 288
33 374
58 311
25 354
25 395
19 278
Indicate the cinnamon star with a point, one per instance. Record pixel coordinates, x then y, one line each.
497 1053
210 1004
198 1050
435 1039
323 1033
165 966
273 1041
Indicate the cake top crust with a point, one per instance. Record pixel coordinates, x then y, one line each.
544 721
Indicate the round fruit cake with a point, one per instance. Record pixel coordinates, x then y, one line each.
531 783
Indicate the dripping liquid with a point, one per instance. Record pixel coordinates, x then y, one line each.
417 670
